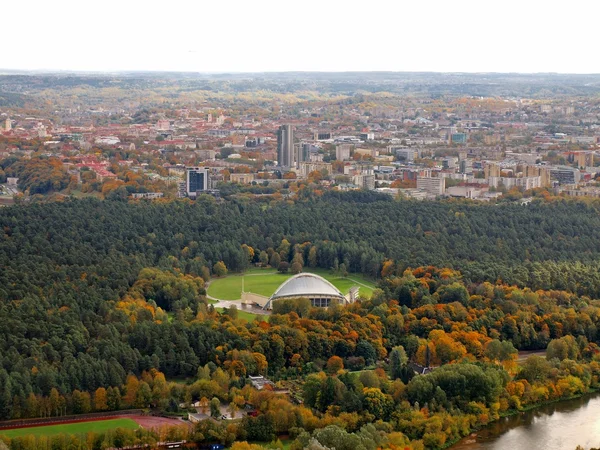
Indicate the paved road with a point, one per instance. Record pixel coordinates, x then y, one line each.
241 307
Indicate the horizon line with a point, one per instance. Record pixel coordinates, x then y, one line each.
5 71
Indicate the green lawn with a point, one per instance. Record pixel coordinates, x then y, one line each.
265 281
97 426
245 315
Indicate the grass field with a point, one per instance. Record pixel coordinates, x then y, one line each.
265 281
96 426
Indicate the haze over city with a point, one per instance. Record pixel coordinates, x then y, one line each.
267 35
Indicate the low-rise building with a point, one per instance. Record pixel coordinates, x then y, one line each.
242 178
148 195
308 167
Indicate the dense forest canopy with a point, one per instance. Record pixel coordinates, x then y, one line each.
542 246
94 294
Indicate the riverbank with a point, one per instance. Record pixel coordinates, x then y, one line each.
540 422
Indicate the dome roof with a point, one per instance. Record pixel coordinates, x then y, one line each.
305 285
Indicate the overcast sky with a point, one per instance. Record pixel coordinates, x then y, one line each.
319 35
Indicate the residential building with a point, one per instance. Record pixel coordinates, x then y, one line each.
583 159
524 183
308 167
491 170
364 181
539 171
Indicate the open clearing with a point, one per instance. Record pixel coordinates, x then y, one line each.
96 426
265 281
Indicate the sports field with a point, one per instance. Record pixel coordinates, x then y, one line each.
96 426
265 281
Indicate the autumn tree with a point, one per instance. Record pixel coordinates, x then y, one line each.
335 364
100 399
219 269
131 390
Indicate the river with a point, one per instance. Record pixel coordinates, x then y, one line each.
558 426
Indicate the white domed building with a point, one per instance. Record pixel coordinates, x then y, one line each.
303 285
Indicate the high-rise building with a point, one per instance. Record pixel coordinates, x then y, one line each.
342 152
285 146
583 159
7 125
364 181
196 180
539 171
433 186
491 170
302 152
466 166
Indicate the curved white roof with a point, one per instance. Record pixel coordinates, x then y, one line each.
306 284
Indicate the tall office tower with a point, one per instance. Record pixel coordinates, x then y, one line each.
285 146
7 125
196 180
302 152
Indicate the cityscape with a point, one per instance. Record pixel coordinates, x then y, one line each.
461 146
299 225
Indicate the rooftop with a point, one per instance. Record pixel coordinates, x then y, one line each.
306 284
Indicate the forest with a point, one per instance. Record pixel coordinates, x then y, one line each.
102 304
358 387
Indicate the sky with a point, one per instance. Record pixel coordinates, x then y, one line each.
307 35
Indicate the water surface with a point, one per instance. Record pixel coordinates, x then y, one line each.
559 426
